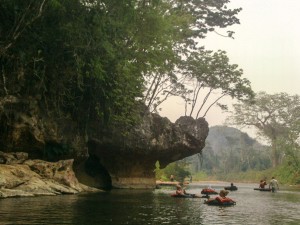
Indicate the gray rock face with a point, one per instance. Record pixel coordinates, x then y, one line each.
100 160
131 161
28 128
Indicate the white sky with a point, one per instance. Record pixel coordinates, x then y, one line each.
266 47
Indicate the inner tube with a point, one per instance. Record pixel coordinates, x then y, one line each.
231 188
215 202
208 191
262 189
185 196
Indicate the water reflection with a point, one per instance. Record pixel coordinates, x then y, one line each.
154 207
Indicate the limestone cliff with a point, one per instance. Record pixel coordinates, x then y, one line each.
130 161
101 159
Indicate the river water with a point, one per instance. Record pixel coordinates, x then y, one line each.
155 207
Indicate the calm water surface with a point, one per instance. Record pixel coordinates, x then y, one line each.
154 207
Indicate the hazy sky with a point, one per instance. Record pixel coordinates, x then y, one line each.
266 47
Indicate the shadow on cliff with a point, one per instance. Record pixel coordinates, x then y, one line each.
92 173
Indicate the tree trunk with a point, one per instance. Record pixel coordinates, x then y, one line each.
275 154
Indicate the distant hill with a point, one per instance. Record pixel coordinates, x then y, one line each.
223 137
228 149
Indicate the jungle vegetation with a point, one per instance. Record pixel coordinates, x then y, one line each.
88 59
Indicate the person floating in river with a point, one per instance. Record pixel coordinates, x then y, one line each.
262 184
274 185
221 199
209 191
180 190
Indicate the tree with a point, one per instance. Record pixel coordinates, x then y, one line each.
96 60
15 22
78 58
210 72
291 149
185 23
178 169
276 117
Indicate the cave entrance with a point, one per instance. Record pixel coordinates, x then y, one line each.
94 174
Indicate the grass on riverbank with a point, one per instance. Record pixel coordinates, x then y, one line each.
285 175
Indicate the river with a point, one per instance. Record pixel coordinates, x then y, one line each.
155 207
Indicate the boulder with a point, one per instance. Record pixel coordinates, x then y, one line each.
37 177
130 161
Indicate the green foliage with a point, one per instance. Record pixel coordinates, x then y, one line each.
180 25
178 169
252 176
96 60
75 58
291 151
285 174
158 172
200 176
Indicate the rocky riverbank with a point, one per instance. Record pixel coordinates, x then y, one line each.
20 177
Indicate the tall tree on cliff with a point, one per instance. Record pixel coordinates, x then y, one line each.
276 117
194 69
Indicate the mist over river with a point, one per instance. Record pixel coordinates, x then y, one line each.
155 207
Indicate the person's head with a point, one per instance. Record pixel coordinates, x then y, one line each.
223 193
261 181
178 187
